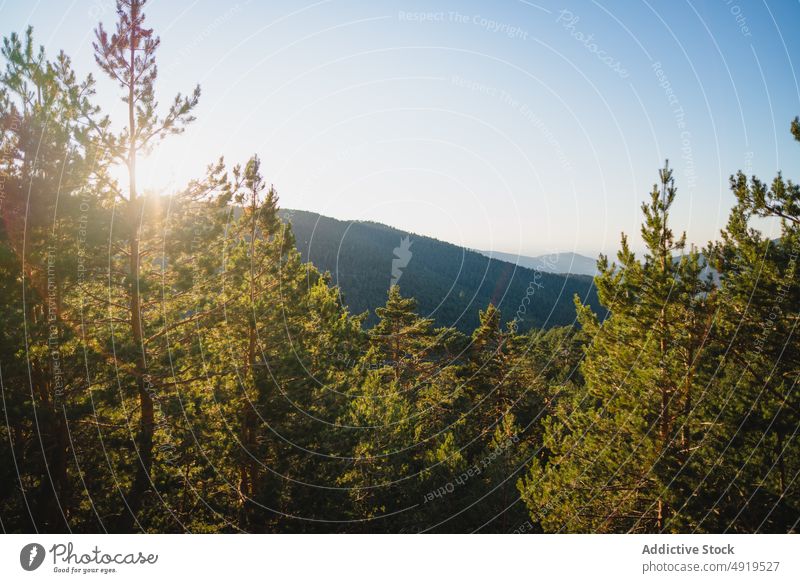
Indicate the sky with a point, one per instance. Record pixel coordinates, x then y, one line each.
507 125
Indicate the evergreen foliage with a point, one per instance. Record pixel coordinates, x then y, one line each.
173 363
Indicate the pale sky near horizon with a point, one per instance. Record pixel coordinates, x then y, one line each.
516 126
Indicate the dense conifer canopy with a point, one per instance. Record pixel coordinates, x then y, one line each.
171 364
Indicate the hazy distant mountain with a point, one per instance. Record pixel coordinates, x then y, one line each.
555 263
450 283
572 263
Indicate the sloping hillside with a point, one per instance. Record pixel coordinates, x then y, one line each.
451 283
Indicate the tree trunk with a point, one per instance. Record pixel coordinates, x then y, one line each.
248 469
144 439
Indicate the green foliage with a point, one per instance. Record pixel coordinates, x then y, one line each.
751 456
172 363
684 419
451 284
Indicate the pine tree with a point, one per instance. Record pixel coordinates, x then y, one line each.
615 447
750 457
46 176
401 416
499 388
127 56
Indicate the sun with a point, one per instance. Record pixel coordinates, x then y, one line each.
159 172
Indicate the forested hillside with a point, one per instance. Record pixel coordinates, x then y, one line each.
181 367
450 283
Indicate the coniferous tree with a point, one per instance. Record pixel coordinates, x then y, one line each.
48 197
749 460
402 414
615 448
504 401
127 56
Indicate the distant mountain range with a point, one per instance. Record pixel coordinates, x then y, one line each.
555 263
450 283
575 264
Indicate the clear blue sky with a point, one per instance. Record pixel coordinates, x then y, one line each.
495 125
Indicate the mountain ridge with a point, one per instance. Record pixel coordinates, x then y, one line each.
450 283
562 262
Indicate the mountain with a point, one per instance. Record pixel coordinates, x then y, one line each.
450 283
574 263
555 263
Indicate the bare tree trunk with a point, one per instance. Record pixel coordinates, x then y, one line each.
144 440
248 469
664 429
58 470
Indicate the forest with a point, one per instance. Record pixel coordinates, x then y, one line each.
450 284
170 364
